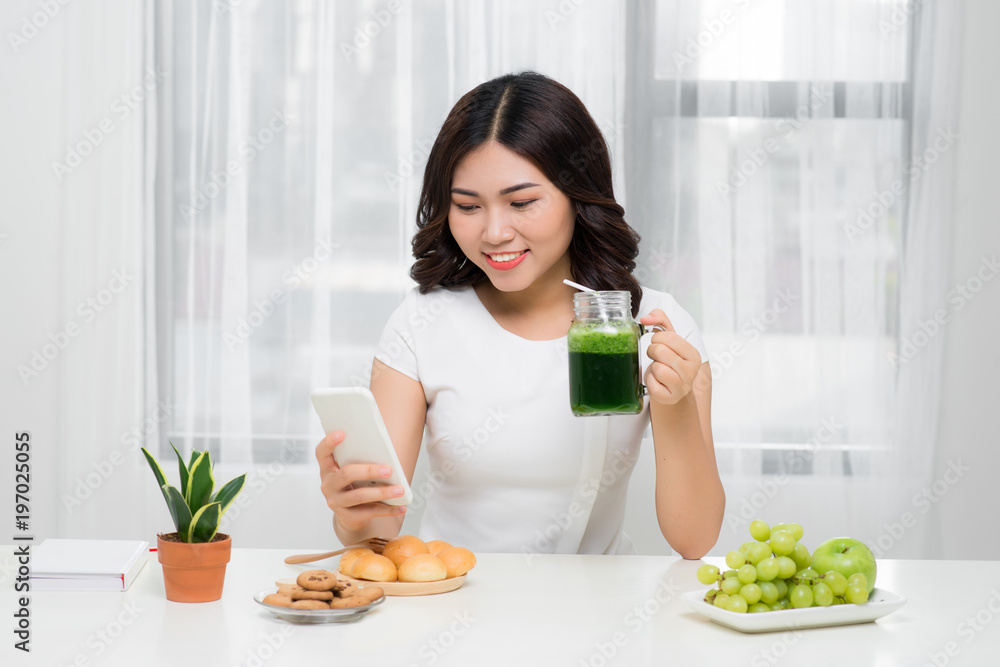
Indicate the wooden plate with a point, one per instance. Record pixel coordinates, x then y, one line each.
410 587
399 588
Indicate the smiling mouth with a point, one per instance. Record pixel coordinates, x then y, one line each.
504 261
505 256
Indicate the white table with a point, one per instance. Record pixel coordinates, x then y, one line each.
553 610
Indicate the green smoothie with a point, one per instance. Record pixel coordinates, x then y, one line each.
604 370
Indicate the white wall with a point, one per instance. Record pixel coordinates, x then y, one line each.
66 236
964 521
30 209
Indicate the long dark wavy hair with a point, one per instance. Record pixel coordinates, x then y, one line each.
544 122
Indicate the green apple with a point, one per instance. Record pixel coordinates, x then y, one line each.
847 556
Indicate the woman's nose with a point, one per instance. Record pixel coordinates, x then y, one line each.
498 227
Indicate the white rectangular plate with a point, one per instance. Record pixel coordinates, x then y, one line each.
880 603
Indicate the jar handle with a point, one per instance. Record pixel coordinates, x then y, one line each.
643 330
653 328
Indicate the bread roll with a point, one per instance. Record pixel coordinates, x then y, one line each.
347 560
436 546
457 560
422 567
373 568
404 547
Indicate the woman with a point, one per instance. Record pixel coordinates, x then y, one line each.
517 196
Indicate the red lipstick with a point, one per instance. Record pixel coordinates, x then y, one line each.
505 266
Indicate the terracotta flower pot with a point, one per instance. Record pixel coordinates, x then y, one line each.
193 572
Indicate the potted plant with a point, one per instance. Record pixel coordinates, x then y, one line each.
194 557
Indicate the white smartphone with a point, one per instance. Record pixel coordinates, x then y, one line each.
353 410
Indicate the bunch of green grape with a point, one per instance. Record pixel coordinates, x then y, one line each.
773 572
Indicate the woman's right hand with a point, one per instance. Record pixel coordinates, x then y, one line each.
354 507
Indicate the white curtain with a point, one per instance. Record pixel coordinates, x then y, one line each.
291 146
927 302
805 233
746 137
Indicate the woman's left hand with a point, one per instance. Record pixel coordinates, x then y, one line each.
675 365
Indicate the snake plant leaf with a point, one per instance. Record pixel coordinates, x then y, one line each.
227 494
161 478
182 469
194 457
200 482
205 523
179 510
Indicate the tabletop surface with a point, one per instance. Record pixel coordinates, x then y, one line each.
513 609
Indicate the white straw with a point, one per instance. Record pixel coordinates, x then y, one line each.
578 286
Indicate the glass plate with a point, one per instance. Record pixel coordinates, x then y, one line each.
880 603
314 615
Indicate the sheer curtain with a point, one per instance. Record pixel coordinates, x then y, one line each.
290 154
753 146
788 183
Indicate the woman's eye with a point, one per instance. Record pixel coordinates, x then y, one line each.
522 204
466 207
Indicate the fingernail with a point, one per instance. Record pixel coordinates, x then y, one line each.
384 471
397 491
402 509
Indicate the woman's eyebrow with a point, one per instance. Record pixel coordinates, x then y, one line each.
519 186
505 191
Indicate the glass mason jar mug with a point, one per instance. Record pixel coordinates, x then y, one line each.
605 375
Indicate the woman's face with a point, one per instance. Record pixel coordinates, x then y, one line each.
510 220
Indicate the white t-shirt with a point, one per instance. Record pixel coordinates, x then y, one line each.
505 451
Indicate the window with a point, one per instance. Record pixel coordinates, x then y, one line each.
760 144
764 139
